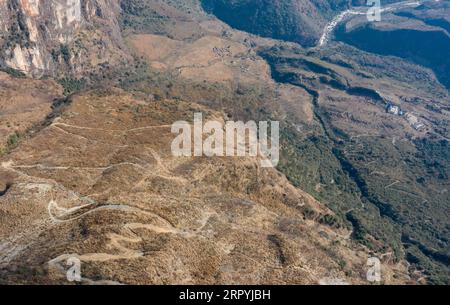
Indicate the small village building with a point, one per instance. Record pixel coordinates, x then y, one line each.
418 126
392 109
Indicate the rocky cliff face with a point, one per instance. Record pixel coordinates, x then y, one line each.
50 37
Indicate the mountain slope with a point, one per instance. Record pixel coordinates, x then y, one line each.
23 103
100 184
96 178
413 34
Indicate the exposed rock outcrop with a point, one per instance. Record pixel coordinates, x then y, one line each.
50 37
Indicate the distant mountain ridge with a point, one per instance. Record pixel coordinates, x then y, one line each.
292 20
298 21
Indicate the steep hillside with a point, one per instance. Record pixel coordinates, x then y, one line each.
375 169
352 160
414 34
299 21
100 184
93 174
23 104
